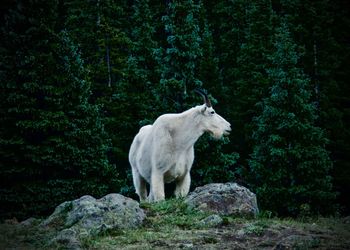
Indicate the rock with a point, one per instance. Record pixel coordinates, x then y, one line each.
67 238
30 222
213 220
346 220
12 221
87 216
224 199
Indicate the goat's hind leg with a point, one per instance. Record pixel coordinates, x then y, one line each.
139 184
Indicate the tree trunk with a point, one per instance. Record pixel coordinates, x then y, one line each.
108 61
317 83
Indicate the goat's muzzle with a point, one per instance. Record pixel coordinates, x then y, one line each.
227 131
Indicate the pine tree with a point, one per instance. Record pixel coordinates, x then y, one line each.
179 60
142 67
53 144
320 29
189 53
249 73
136 89
338 121
208 71
102 31
289 164
242 37
215 160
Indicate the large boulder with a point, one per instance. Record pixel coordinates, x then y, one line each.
87 216
223 199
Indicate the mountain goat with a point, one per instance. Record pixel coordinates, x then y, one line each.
164 152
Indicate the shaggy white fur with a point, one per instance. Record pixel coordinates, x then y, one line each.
163 152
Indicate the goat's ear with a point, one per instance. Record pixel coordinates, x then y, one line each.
204 109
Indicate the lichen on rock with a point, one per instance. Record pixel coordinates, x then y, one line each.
224 199
87 216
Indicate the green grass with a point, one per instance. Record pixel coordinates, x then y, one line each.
170 219
24 237
172 213
171 224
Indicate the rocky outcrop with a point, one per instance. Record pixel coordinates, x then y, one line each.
223 199
72 222
87 216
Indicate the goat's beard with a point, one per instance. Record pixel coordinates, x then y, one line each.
216 134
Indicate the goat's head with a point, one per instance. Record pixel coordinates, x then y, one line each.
211 121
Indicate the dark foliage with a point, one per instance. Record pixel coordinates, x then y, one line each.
53 142
79 78
290 165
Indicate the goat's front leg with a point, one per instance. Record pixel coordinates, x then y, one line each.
157 186
183 186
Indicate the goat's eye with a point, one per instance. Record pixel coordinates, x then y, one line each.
212 112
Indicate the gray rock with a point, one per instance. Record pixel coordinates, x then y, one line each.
88 216
67 239
346 220
30 222
224 199
213 220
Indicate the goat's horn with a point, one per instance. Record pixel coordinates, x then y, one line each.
205 96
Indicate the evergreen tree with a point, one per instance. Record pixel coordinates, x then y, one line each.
242 37
142 67
53 145
183 64
250 81
338 121
215 160
290 165
179 60
135 60
209 65
105 44
137 88
320 29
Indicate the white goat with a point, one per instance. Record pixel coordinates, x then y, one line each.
163 152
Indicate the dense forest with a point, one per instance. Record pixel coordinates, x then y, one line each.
80 77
